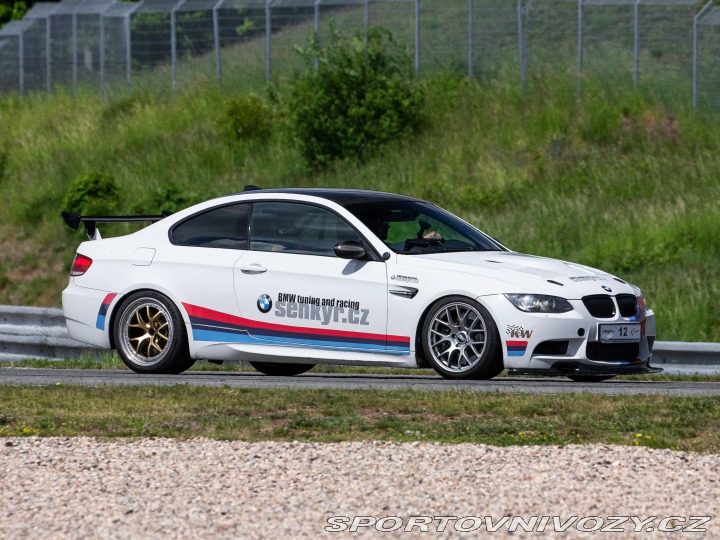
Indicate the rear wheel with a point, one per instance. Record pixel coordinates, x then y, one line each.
150 334
460 340
282 370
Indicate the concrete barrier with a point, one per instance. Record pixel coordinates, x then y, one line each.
30 332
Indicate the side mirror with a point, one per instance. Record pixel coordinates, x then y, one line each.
349 249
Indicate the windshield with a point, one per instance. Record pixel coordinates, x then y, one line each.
415 227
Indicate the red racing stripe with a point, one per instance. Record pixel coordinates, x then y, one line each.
205 313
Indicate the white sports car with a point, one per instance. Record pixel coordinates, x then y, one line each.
289 278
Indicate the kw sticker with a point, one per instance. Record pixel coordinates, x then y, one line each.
518 332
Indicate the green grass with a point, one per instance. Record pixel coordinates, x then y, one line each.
323 415
615 180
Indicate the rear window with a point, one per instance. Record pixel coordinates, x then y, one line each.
225 227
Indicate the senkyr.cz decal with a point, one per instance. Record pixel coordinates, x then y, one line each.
516 348
324 310
210 325
100 323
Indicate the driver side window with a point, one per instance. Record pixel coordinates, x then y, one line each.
297 228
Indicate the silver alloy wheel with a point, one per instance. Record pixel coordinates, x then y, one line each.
457 337
147 330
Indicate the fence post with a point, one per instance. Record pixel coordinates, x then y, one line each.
317 27
48 54
268 43
21 61
128 57
521 44
102 57
471 38
74 52
636 44
696 20
580 38
417 37
366 19
316 17
216 37
173 48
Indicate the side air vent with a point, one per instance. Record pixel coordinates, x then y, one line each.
551 348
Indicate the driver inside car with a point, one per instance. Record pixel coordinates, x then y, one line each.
380 226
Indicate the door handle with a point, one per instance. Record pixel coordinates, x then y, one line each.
253 268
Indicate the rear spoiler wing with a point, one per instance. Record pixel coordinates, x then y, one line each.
74 220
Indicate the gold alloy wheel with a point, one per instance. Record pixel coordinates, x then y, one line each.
147 330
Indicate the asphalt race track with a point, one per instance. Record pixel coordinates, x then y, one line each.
235 379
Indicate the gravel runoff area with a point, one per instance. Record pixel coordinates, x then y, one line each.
200 488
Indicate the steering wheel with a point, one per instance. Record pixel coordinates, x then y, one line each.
424 226
422 242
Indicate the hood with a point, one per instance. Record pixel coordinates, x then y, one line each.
528 273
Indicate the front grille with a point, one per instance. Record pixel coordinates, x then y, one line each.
600 306
612 352
627 304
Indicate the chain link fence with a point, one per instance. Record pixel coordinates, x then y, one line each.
668 48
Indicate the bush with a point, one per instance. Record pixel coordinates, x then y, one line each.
246 118
12 11
167 198
93 193
353 97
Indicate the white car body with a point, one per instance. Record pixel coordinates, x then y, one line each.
245 304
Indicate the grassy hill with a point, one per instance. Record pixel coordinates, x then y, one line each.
614 181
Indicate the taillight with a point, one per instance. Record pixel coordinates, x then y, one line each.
80 265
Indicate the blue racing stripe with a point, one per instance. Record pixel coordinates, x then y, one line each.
233 337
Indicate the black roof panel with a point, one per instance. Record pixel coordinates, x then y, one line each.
343 197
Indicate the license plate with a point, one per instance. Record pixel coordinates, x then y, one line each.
619 332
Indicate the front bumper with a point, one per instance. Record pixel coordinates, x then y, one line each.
567 343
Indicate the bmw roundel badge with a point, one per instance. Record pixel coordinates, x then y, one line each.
264 303
606 288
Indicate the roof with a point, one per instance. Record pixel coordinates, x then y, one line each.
343 197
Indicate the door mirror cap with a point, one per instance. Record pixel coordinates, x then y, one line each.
349 249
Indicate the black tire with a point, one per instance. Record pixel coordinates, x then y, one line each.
460 340
150 335
281 370
590 378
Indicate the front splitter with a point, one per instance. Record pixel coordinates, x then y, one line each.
565 369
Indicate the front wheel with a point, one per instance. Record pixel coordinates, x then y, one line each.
150 334
280 369
460 340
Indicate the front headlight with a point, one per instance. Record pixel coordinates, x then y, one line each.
539 303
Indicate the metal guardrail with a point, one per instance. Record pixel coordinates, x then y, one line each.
30 332
37 333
